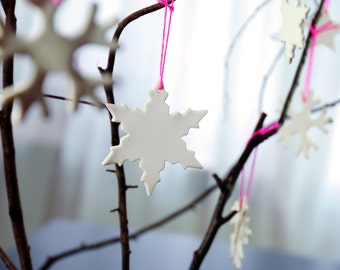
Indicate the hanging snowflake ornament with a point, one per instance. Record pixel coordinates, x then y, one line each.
52 52
239 237
327 38
291 32
153 137
301 122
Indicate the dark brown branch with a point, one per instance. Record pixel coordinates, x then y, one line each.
11 179
79 101
232 176
131 187
88 247
122 187
6 260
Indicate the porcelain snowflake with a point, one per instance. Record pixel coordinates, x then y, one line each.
153 136
52 52
327 38
300 123
291 32
239 237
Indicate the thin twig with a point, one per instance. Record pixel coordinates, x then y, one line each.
327 105
11 179
230 179
238 36
267 76
7 261
88 247
101 105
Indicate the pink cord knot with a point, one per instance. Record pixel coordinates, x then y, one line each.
167 5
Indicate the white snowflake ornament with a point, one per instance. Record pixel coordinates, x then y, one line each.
239 237
153 137
301 122
327 38
52 52
291 32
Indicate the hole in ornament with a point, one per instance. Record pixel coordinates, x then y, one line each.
88 58
23 68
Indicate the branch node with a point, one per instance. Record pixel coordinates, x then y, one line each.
228 217
219 182
111 171
114 210
131 186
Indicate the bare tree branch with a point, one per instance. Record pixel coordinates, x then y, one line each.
7 261
70 99
122 187
88 247
11 179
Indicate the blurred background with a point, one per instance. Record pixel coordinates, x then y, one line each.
294 205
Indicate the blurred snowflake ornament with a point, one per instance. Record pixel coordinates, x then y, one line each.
291 32
239 237
327 38
301 122
153 137
51 52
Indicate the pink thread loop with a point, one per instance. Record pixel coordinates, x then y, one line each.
165 39
315 32
262 131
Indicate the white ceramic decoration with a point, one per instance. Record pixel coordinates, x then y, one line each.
327 38
153 137
239 237
52 52
291 32
300 122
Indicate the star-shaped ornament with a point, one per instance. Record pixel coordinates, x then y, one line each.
239 237
52 52
153 137
291 32
301 122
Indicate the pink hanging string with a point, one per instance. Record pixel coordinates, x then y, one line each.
56 2
315 32
326 6
166 32
262 131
